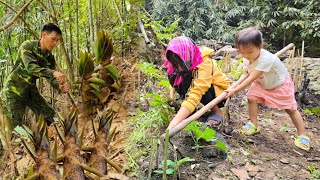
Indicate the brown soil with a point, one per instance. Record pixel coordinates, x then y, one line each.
271 154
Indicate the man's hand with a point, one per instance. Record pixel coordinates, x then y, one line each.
62 79
64 87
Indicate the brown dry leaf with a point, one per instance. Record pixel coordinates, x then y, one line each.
212 176
115 176
240 173
23 164
250 167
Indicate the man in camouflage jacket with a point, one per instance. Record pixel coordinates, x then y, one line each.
34 61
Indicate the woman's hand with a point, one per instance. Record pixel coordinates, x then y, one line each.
171 97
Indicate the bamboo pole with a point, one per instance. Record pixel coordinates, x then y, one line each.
296 64
165 156
301 66
214 102
90 20
153 146
291 61
175 158
77 29
70 34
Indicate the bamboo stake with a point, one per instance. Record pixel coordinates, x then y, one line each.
301 63
296 64
139 86
77 29
153 146
291 61
175 158
165 156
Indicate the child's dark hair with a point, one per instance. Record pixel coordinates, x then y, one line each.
51 27
249 35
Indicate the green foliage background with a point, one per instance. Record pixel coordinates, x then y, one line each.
281 21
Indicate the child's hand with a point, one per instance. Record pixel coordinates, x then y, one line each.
230 91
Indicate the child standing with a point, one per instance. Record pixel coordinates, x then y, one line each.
270 82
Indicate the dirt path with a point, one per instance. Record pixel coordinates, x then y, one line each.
271 154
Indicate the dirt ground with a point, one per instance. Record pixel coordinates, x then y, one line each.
271 154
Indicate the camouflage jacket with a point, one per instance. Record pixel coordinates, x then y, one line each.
31 64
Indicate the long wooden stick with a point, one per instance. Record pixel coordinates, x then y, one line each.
215 101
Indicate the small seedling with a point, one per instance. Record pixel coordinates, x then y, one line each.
172 167
314 171
286 128
313 111
201 132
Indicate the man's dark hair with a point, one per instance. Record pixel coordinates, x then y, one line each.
51 27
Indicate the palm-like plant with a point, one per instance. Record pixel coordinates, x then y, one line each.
41 151
96 87
73 163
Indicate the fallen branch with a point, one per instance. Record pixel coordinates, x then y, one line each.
24 21
16 17
143 31
214 102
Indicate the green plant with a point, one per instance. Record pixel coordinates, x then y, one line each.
150 71
286 128
201 132
146 125
172 166
201 19
313 111
314 171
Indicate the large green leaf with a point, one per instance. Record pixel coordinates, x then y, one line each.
103 48
221 145
85 65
